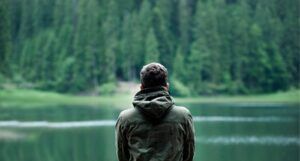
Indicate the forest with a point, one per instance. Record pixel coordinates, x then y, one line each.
208 46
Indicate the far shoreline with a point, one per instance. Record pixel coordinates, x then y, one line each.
35 98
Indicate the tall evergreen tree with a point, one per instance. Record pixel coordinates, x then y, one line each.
5 38
164 23
152 53
110 28
184 24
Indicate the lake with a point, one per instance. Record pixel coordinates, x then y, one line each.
224 132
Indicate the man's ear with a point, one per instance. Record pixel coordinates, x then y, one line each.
167 87
141 87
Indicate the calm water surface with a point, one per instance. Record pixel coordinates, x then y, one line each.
224 132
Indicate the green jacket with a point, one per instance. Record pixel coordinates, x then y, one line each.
155 129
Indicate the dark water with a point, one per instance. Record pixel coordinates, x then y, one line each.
224 132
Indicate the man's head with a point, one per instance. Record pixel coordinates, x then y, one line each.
153 75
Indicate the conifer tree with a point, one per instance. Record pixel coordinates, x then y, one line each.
152 53
5 38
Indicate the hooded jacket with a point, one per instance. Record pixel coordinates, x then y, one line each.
155 129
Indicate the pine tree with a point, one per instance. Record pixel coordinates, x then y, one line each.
165 25
179 71
184 24
5 38
124 59
111 33
152 53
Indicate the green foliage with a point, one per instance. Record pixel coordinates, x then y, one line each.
178 67
177 88
2 80
152 53
107 89
208 46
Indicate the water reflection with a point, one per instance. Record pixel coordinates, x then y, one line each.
241 119
46 124
224 132
97 123
258 140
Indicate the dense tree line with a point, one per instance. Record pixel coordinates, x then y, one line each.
209 46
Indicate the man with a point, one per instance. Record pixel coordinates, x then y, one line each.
155 129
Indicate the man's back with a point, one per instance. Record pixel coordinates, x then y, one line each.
155 129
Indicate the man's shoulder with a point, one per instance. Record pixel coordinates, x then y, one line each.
181 109
129 113
179 113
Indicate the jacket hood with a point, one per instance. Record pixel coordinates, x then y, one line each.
153 103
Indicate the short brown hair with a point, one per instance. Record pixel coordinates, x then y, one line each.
154 74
